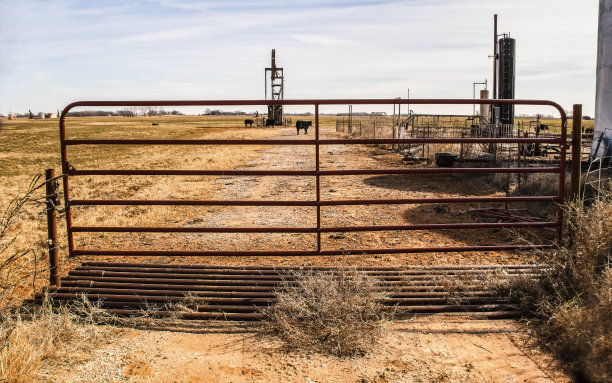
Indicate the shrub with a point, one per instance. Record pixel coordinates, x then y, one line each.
337 313
571 305
33 346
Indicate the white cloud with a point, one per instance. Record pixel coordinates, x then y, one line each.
206 49
167 35
318 39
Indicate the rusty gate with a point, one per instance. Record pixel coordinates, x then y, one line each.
117 282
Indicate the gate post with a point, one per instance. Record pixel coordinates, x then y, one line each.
576 151
51 201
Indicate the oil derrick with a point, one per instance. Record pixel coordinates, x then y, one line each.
277 85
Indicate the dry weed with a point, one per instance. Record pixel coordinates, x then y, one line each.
336 313
18 265
34 346
570 306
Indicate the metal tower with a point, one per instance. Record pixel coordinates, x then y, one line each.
277 85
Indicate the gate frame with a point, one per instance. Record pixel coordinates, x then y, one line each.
68 171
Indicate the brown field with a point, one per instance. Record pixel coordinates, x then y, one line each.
27 147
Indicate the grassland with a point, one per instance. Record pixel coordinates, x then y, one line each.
28 147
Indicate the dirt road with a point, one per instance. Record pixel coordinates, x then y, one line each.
425 349
429 349
332 188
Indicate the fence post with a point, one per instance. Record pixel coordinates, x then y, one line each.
52 200
576 151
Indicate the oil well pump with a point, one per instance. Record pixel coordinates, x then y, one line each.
277 91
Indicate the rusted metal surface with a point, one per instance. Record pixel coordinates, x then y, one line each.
236 293
406 201
576 151
51 204
297 253
224 292
332 229
320 200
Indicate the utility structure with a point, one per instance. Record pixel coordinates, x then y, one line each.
504 52
277 91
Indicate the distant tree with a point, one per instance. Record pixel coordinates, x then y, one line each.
125 112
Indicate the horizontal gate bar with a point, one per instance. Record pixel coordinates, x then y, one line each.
339 229
357 101
113 202
69 171
296 268
132 172
356 141
170 253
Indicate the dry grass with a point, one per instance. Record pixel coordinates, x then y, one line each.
27 147
570 307
570 304
50 339
19 265
332 313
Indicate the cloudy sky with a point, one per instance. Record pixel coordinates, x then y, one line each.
56 52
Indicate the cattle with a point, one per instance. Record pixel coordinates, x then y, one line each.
270 122
248 122
301 124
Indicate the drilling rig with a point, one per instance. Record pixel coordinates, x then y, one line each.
277 85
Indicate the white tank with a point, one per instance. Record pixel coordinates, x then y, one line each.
41 115
484 108
603 92
11 116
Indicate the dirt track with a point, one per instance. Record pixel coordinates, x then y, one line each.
428 349
434 349
347 187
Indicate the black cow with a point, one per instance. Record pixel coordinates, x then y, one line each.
301 124
270 122
248 122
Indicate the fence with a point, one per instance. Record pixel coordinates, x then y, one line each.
322 198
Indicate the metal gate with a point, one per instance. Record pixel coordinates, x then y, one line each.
237 292
71 170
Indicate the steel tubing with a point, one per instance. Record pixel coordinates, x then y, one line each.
406 201
356 141
355 172
291 268
421 287
337 229
291 272
355 101
137 289
248 277
143 299
175 253
257 294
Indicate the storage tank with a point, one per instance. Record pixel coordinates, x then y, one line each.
41 115
505 77
484 108
11 116
603 90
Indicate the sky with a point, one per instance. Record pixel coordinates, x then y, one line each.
54 52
